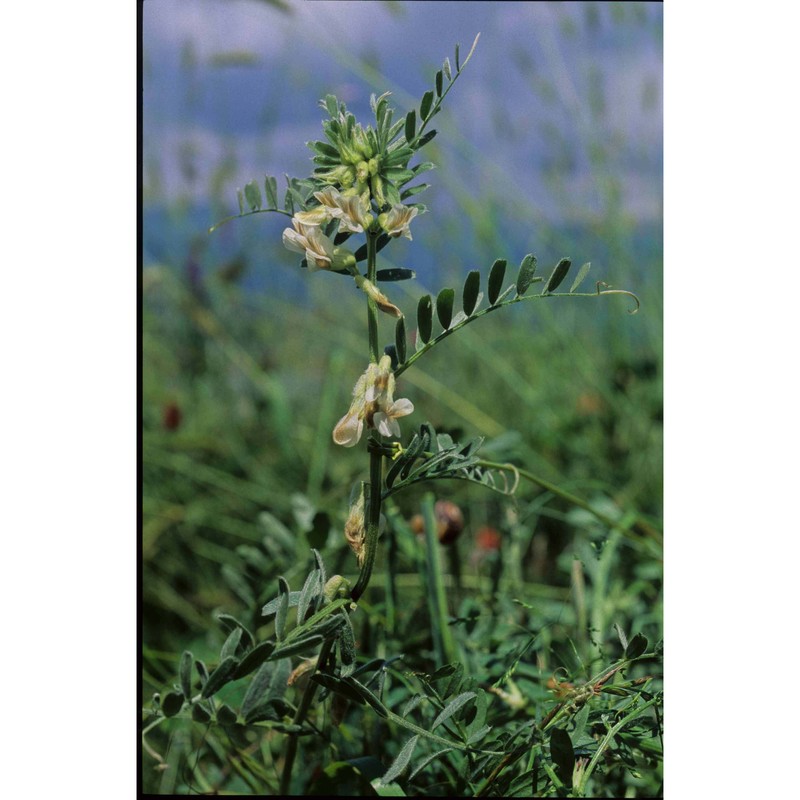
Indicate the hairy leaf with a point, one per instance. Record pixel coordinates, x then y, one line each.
220 676
452 708
400 763
525 275
254 659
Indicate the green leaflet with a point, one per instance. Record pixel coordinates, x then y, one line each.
453 707
400 763
425 318
582 273
525 276
444 307
557 276
400 339
496 275
471 293
253 195
220 676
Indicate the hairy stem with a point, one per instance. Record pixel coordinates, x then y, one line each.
375 459
299 718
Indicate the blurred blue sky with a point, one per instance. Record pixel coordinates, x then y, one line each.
558 97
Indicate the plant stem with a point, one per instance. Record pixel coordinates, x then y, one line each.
299 717
375 457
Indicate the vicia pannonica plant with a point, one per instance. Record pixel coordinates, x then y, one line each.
360 197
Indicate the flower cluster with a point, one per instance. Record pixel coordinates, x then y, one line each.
373 404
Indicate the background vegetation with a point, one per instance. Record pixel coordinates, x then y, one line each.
245 375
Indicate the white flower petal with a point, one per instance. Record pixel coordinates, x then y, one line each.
348 430
401 408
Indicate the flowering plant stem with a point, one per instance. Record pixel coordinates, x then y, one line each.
299 718
375 457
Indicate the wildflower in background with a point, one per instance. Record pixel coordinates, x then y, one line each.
396 221
319 250
374 405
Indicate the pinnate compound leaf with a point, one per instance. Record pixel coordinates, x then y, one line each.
220 676
496 275
471 295
525 276
558 275
453 707
400 763
425 318
253 195
582 273
444 307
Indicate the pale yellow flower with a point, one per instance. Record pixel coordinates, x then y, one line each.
319 250
396 221
351 210
373 405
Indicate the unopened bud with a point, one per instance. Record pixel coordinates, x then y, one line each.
381 300
355 531
362 171
337 586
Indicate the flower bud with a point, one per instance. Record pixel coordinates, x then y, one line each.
381 300
362 171
337 586
374 165
355 531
